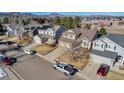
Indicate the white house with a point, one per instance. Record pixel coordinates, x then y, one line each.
108 49
50 34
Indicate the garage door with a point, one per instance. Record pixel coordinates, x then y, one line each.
101 60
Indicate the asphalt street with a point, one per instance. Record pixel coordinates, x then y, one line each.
32 67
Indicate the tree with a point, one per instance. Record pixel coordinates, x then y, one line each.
102 31
69 23
16 21
2 31
77 21
87 26
57 20
6 20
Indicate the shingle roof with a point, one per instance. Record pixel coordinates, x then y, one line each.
44 27
117 38
107 54
73 31
45 36
89 34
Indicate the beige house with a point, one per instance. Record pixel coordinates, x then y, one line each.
71 38
87 37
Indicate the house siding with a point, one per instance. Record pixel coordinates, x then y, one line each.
37 40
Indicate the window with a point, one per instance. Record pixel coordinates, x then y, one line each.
114 47
97 45
102 46
84 43
110 46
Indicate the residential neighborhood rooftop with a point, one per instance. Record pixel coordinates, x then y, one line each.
118 38
89 33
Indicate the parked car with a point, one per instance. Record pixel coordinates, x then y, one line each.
9 61
29 51
1 43
17 47
1 56
66 68
9 42
103 70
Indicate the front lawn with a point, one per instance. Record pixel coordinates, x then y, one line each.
4 37
80 63
23 41
114 76
44 49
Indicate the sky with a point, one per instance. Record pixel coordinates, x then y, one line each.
82 13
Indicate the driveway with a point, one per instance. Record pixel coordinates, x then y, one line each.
90 72
55 53
31 45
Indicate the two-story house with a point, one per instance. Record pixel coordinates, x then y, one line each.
87 37
108 49
49 34
10 29
71 38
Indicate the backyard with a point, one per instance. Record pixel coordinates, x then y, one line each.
44 49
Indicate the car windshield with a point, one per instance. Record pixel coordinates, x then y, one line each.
68 68
101 69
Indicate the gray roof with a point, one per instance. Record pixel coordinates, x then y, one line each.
45 36
117 38
74 31
56 28
107 54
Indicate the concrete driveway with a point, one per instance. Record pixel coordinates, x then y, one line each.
90 72
55 53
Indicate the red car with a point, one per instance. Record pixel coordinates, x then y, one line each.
9 61
103 70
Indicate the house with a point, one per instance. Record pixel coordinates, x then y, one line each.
10 29
32 29
108 49
39 39
50 34
87 37
71 38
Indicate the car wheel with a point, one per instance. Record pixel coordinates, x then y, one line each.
66 74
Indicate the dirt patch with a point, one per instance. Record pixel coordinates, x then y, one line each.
80 62
44 49
114 76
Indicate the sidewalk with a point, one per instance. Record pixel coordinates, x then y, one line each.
29 46
55 53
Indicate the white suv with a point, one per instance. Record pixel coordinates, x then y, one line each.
66 68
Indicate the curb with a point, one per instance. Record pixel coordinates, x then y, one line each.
15 73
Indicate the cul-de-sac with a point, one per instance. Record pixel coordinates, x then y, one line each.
61 46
